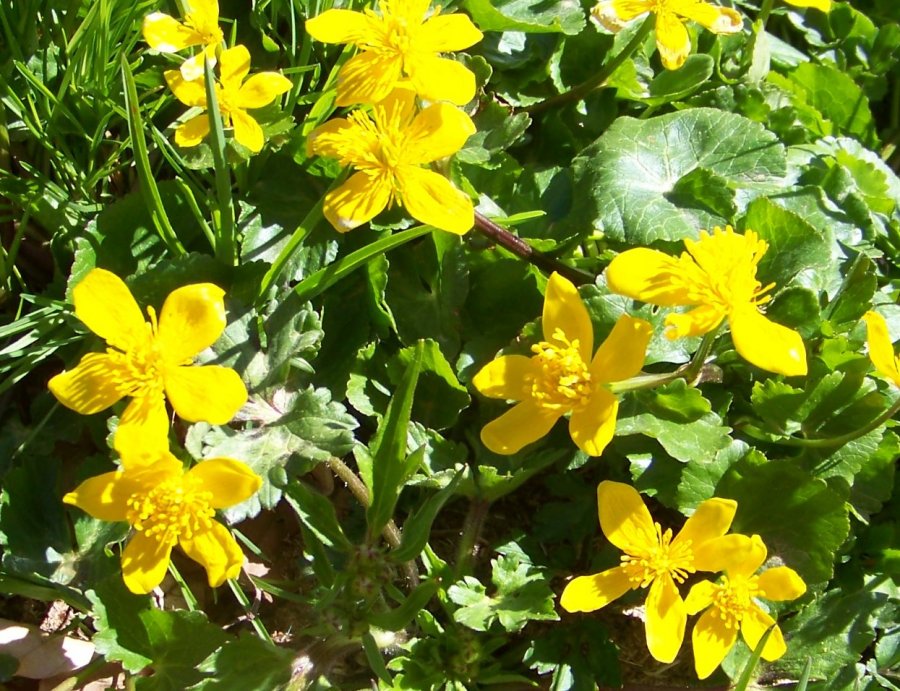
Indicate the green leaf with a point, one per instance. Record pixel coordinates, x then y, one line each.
804 523
417 528
248 663
579 653
529 16
674 85
440 395
624 180
399 617
317 514
132 631
388 449
703 190
521 595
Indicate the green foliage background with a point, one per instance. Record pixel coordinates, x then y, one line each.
358 353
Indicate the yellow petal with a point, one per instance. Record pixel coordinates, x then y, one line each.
261 89
192 318
521 425
106 306
217 551
193 131
144 563
439 131
234 65
209 393
769 346
712 639
247 131
699 597
204 14
824 5
646 275
367 78
332 138
622 354
167 35
192 69
508 377
729 553
590 593
672 40
432 199
624 518
719 20
143 429
781 583
230 481
447 32
696 322
341 26
442 79
103 496
564 310
881 350
592 426
754 624
357 201
93 385
712 519
626 10
190 93
666 619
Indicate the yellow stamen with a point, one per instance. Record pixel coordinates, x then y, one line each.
645 564
174 509
563 380
732 599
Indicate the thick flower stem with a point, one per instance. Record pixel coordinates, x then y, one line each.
224 214
578 92
826 442
391 533
522 249
471 533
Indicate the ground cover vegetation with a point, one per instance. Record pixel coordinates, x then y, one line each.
492 345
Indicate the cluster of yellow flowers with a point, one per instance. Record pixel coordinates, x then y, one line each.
234 95
654 559
407 120
149 362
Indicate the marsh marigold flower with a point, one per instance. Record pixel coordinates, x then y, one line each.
672 38
717 277
167 506
881 350
234 95
388 147
148 361
654 559
200 28
731 605
399 45
562 377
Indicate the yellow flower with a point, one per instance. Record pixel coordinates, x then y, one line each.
562 378
201 28
388 148
149 361
881 350
167 506
399 45
731 604
234 96
824 5
672 38
652 558
716 276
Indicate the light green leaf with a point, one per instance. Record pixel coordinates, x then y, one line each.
529 16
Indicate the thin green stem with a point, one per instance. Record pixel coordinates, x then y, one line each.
224 215
471 533
826 442
189 598
578 92
764 12
241 596
522 249
690 372
309 222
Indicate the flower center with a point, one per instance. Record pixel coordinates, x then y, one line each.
177 508
644 565
720 270
210 33
139 372
563 379
732 599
